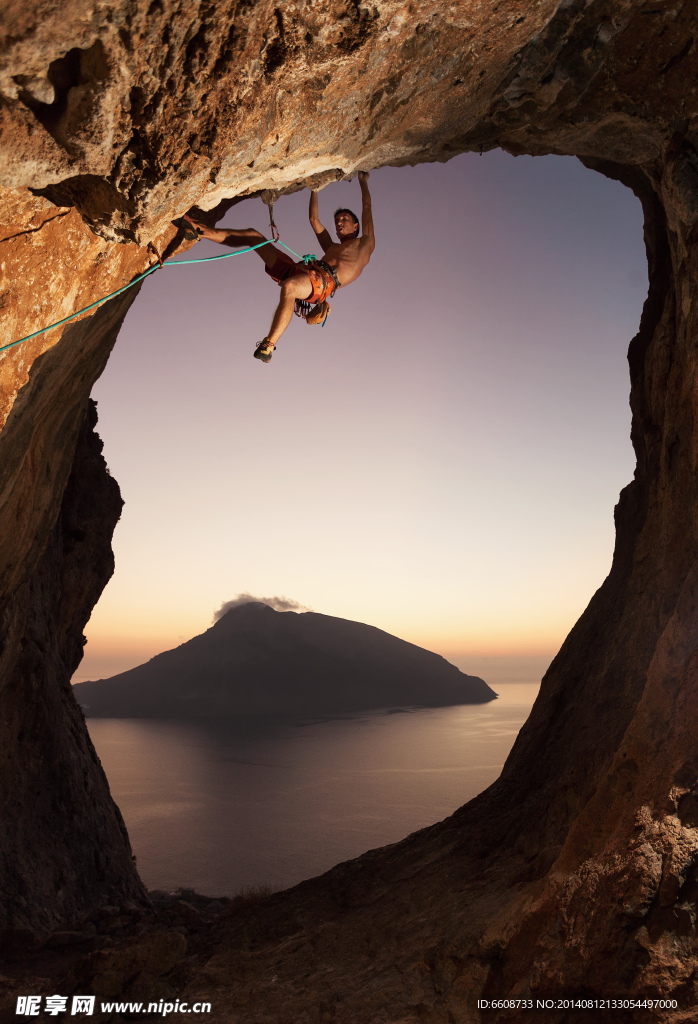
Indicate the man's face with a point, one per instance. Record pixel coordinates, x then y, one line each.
345 226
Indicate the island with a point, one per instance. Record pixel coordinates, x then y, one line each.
256 661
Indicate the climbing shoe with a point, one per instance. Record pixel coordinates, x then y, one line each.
318 313
191 233
264 350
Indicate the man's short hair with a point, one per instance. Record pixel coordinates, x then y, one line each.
351 213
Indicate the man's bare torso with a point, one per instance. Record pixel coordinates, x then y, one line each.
347 258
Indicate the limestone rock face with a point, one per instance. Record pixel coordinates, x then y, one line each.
63 845
576 871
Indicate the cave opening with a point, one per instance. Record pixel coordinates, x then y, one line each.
464 395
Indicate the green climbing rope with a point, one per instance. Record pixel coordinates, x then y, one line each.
151 270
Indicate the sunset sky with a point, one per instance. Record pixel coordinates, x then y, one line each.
441 460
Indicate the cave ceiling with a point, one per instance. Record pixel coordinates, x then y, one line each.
135 112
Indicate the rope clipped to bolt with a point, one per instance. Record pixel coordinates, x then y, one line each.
269 198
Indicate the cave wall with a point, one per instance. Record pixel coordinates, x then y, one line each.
54 794
63 845
577 868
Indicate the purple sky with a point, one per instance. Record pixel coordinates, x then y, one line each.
441 460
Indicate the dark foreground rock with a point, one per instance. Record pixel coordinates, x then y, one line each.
135 952
257 661
54 797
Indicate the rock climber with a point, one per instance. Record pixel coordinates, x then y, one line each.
304 284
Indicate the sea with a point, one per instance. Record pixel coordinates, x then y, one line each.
223 806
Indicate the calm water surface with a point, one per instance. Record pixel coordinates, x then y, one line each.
217 806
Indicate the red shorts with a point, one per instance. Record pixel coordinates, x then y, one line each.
320 276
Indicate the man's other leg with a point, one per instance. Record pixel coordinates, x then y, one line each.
238 238
297 287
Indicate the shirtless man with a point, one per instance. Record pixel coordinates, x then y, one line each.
341 264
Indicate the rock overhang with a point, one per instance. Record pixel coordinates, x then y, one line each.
156 109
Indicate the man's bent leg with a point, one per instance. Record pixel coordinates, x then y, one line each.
239 237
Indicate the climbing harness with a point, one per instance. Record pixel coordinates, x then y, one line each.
316 311
176 263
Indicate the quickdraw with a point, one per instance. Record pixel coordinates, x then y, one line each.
156 254
302 307
269 198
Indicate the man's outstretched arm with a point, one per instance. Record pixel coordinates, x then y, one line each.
368 240
323 235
